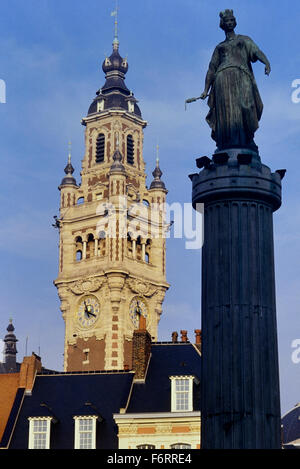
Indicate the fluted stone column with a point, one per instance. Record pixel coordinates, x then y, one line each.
240 378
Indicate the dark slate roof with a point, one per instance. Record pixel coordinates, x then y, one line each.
64 396
167 359
291 425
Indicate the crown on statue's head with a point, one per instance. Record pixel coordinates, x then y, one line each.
226 13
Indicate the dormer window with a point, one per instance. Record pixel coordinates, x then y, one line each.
181 393
39 432
130 106
100 105
130 149
100 148
85 432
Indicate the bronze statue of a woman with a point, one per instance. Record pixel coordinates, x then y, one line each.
234 100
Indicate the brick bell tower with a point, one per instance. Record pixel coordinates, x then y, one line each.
112 243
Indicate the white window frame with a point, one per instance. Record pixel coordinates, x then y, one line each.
130 106
32 432
181 446
174 393
77 419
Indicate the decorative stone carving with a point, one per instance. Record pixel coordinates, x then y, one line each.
86 285
141 288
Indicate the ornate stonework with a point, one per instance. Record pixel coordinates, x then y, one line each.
105 266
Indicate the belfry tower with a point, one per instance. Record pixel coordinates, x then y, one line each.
112 244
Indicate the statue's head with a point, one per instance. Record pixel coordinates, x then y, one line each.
227 20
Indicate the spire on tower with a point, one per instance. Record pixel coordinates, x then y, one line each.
10 349
116 39
69 170
114 94
117 165
157 183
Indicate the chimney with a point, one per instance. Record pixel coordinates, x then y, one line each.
198 339
29 368
141 349
174 337
183 336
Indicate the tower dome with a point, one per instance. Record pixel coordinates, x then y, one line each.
114 94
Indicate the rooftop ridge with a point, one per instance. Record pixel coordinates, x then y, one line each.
93 372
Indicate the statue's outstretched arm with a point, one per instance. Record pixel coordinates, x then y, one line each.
263 59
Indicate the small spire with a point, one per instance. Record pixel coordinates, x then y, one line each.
117 165
69 170
115 14
157 183
10 349
70 152
157 155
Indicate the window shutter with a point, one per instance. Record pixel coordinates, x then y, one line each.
100 148
130 150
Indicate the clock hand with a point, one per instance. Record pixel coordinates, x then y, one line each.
86 309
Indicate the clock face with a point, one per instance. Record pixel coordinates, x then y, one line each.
88 311
137 307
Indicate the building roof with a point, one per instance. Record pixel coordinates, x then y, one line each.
291 425
168 359
64 396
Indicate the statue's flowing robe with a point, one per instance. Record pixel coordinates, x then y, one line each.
234 100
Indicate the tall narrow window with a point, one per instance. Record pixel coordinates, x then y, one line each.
130 150
78 248
90 247
39 433
85 432
182 393
100 148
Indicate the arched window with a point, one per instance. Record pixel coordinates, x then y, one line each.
101 243
78 248
129 245
139 248
181 446
80 201
78 255
148 251
100 148
130 149
145 446
90 247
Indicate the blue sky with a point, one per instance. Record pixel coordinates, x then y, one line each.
51 55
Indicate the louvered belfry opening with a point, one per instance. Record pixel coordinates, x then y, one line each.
130 150
100 148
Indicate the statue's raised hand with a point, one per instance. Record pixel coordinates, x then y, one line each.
267 70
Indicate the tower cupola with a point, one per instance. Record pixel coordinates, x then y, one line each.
114 94
157 183
69 170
